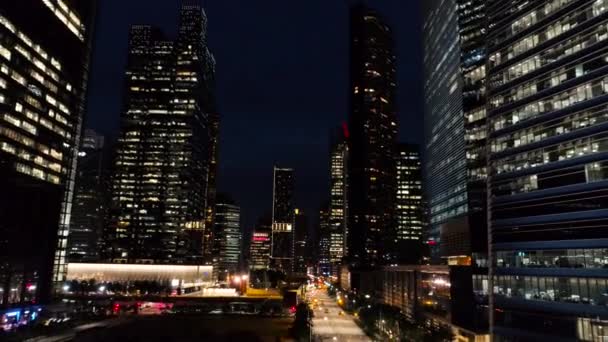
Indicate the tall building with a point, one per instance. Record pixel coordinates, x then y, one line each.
338 195
373 130
162 161
324 265
259 249
300 241
208 234
228 236
409 209
445 155
455 157
283 219
454 60
547 110
44 59
90 203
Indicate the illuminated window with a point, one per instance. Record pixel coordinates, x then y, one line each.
4 52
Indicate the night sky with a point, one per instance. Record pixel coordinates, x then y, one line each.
282 82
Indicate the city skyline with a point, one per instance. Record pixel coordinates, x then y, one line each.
286 128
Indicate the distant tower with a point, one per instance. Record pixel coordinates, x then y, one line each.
373 129
90 203
283 219
300 241
259 250
324 266
338 204
409 207
228 236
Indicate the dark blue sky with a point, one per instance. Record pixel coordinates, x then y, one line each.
282 82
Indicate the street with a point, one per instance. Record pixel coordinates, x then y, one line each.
329 324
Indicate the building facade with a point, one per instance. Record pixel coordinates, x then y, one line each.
228 236
455 162
409 209
44 59
283 214
547 105
445 155
91 197
259 249
162 158
338 200
373 130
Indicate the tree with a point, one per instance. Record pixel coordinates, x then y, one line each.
301 328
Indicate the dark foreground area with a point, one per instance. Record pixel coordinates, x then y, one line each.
193 328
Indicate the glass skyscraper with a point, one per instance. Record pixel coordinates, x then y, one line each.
228 236
455 161
162 159
547 112
445 158
373 130
44 59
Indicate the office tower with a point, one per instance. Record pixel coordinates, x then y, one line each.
373 130
282 219
324 266
214 130
445 160
300 241
91 197
44 58
455 127
409 209
228 236
259 249
338 194
547 105
162 159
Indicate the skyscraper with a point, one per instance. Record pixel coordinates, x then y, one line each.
300 240
455 158
161 168
445 159
455 57
324 266
373 129
338 195
214 130
282 219
90 203
44 58
409 208
547 105
228 235
259 249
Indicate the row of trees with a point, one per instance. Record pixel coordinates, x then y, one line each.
380 320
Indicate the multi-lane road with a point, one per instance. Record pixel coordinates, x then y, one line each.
330 323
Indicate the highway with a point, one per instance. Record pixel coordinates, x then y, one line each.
329 324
